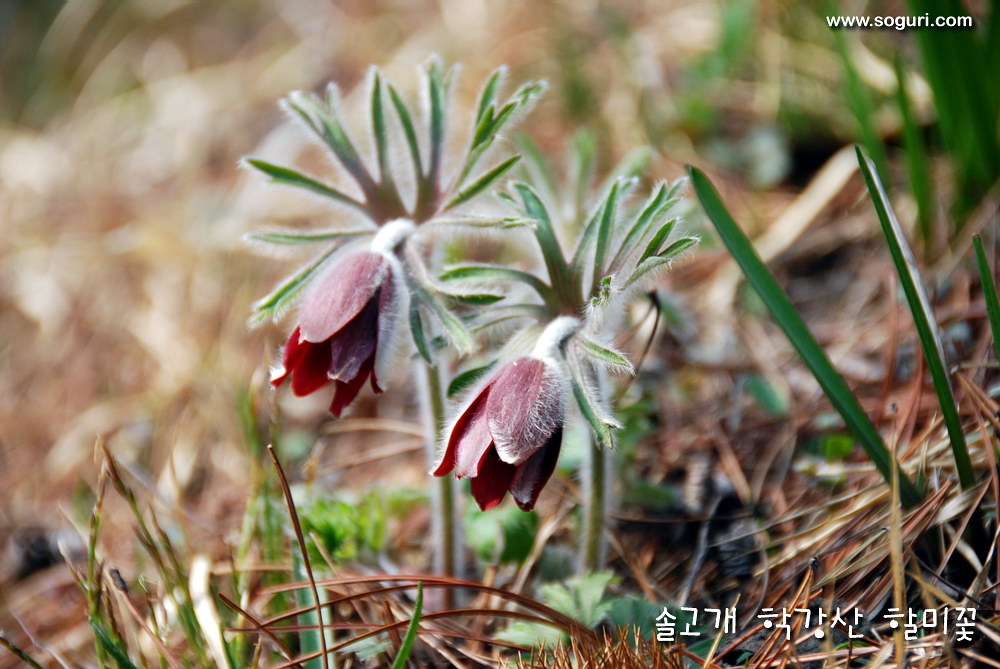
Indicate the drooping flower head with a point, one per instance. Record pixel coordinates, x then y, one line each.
509 435
348 322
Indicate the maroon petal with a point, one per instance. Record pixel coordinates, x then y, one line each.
355 343
310 374
340 294
535 472
525 408
295 350
490 485
467 434
347 390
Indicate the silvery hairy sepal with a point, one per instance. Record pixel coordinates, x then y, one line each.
508 436
348 324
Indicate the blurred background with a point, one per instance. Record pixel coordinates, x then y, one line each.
125 284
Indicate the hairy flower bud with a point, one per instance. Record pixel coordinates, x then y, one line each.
347 324
509 436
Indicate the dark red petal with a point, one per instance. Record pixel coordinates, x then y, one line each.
535 472
355 343
347 390
310 374
525 407
490 486
293 354
473 416
340 294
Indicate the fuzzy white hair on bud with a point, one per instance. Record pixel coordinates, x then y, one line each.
555 335
391 235
392 344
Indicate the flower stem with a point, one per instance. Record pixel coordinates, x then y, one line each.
593 550
444 517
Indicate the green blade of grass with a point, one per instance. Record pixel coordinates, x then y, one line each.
17 652
923 318
111 646
791 323
917 160
962 79
989 292
859 98
411 631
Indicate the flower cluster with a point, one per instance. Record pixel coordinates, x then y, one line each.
508 435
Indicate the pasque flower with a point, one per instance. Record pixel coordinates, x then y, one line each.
347 323
508 437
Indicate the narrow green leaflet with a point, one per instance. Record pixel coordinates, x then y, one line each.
505 223
496 273
300 237
474 298
791 323
482 183
545 233
668 254
580 260
456 332
468 378
581 168
379 129
406 120
436 97
604 354
411 631
653 247
485 320
650 215
281 298
309 109
923 319
337 139
591 410
417 332
490 91
604 229
537 166
290 177
989 292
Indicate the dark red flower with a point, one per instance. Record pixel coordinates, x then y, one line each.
346 323
509 436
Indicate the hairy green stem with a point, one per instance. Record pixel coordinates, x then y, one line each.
593 547
445 519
